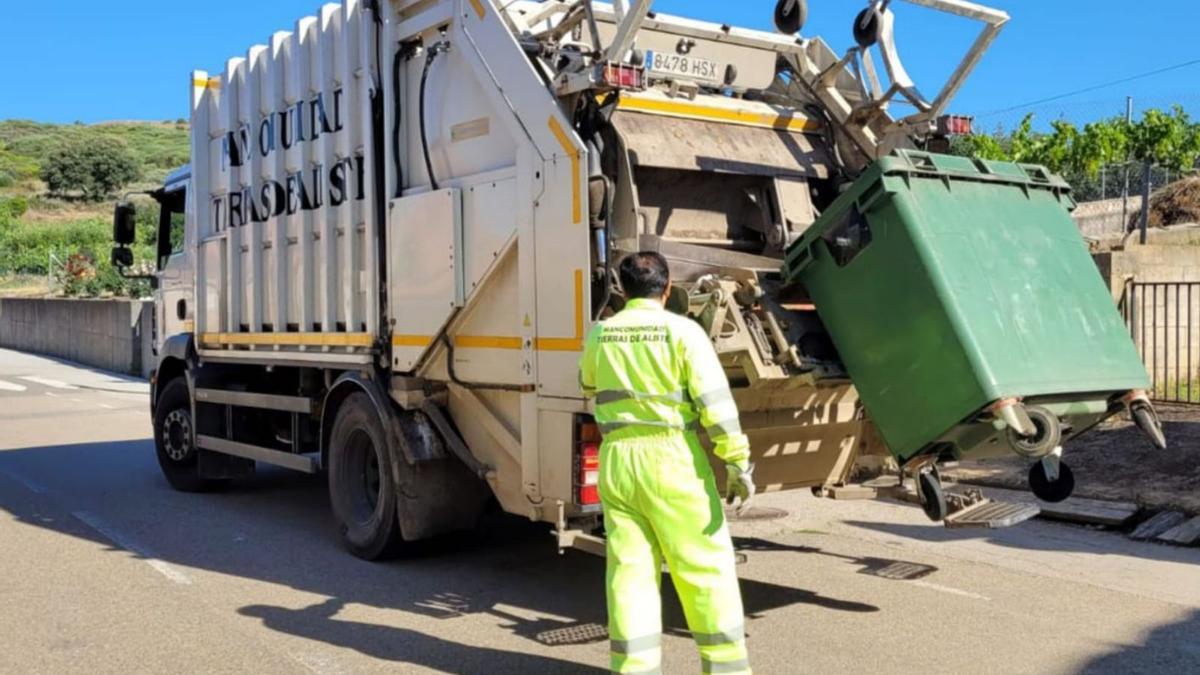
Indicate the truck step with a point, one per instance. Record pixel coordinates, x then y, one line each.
259 454
993 515
245 399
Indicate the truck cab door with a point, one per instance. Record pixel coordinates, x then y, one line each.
174 298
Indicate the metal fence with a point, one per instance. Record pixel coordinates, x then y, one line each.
1164 321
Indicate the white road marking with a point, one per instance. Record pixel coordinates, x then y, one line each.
119 539
9 386
47 382
31 485
947 589
107 406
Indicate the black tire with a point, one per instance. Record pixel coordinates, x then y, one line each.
361 488
866 27
175 440
790 22
1044 441
933 498
1052 492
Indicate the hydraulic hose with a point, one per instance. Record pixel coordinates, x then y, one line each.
430 57
397 107
608 269
448 343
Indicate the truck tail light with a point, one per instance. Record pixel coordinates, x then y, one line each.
587 459
955 125
624 76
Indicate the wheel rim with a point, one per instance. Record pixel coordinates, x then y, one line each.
363 476
177 435
1047 435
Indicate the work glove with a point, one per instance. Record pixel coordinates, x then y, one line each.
739 485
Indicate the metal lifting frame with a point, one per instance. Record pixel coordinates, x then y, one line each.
629 22
860 120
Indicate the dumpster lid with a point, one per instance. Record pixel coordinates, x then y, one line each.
915 163
928 163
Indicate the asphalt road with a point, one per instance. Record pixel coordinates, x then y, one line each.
104 569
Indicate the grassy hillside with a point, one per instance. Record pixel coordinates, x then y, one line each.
67 241
159 147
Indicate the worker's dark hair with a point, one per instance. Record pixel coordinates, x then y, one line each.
645 275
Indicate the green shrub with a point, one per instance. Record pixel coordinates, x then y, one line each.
80 252
15 207
96 166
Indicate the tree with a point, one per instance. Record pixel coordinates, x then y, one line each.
1166 139
1101 143
95 166
1169 140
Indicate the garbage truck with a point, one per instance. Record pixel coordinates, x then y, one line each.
401 219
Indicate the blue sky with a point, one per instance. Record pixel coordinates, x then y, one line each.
93 61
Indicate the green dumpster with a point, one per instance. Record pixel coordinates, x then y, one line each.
965 306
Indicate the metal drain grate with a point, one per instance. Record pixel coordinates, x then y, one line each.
577 634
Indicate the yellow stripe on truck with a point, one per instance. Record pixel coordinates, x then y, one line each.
576 183
287 339
574 344
421 341
478 6
555 344
727 115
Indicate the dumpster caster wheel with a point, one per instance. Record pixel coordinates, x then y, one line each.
1046 438
1147 420
933 498
1052 491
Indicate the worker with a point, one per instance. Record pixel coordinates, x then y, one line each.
655 380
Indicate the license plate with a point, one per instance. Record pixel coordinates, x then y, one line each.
692 67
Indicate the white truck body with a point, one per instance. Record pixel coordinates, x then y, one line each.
322 256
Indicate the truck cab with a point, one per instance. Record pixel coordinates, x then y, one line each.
173 300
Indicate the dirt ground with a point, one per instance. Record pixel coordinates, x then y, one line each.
1116 461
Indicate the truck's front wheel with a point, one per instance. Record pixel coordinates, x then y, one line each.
361 488
175 439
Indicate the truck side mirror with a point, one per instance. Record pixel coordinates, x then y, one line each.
122 258
124 224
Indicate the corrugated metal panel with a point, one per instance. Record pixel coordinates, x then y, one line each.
283 150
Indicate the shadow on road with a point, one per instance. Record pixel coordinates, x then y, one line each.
1174 648
1037 536
401 645
884 568
276 527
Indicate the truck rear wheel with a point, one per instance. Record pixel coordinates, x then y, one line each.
175 440
361 488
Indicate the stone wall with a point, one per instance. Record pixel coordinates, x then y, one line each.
1098 219
113 335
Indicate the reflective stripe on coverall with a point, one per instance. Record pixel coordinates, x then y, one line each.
656 379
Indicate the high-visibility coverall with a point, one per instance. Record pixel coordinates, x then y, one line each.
656 379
